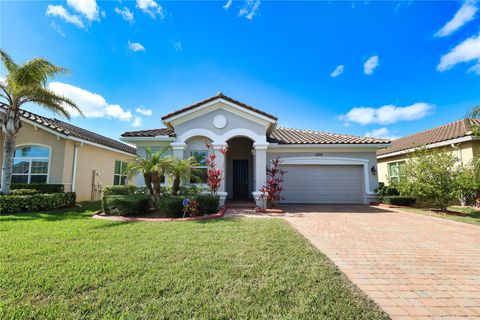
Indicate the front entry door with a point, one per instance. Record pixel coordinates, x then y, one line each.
240 179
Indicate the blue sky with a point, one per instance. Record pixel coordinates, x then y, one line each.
382 68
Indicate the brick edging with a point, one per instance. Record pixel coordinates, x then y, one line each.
219 214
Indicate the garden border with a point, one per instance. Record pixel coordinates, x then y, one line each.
219 214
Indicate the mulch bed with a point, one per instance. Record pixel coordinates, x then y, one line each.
154 218
269 211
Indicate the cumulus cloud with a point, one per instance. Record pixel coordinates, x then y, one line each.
137 122
382 133
144 111
88 8
465 14
387 114
227 5
57 28
370 65
249 9
92 104
338 71
467 50
135 46
61 12
126 14
152 8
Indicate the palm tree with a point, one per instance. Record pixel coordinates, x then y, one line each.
475 113
180 169
152 167
23 84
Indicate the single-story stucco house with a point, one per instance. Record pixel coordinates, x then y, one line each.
455 137
52 151
322 167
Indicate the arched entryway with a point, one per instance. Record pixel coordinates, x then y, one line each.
239 169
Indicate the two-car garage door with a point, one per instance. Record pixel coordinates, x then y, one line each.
323 184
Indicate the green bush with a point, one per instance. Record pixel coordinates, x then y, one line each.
207 203
10 204
126 205
184 191
23 192
40 187
398 200
384 191
171 207
118 190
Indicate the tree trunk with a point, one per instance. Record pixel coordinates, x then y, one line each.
175 185
7 166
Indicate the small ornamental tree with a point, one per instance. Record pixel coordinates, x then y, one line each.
272 191
214 174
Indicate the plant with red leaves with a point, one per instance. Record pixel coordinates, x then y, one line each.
214 174
272 191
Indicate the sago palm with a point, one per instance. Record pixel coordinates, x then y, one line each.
180 169
26 83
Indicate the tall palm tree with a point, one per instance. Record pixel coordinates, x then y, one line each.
23 84
180 169
475 113
152 167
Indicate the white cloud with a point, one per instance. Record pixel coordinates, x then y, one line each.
61 12
57 28
249 9
137 122
465 14
178 45
88 8
92 104
382 133
227 5
145 112
475 68
126 14
338 71
370 65
387 114
466 51
151 8
135 46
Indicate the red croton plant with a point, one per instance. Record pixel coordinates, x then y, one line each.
272 191
214 174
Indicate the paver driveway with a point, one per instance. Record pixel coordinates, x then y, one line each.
413 266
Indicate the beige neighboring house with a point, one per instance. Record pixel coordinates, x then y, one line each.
52 151
456 137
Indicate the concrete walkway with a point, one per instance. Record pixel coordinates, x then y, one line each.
413 266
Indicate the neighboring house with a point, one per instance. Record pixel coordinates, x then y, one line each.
456 137
322 167
53 151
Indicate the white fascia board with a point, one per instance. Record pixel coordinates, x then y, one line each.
206 105
149 139
430 146
371 146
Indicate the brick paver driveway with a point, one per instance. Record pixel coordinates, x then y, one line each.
413 266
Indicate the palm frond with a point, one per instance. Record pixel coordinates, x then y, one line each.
49 100
474 112
37 71
8 62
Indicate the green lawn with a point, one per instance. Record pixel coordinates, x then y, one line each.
467 215
68 265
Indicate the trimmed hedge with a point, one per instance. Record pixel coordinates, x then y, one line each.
386 191
10 204
208 203
40 187
118 190
398 200
23 192
172 207
126 205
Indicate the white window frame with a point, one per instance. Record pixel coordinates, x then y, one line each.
30 159
120 175
397 165
199 184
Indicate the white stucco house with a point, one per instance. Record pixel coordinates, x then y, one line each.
321 167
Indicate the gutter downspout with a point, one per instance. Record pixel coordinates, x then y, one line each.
74 168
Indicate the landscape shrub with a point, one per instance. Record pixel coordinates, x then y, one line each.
184 191
171 206
10 204
207 203
126 205
384 191
40 187
399 200
23 192
118 190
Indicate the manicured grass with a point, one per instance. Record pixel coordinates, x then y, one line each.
67 265
467 215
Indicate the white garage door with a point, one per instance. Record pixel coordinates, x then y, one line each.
323 184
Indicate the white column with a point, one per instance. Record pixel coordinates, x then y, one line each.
220 162
178 149
260 171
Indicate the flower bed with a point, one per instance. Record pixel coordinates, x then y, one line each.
153 218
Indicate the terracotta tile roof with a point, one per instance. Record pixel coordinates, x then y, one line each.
297 136
221 96
70 130
150 133
452 130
